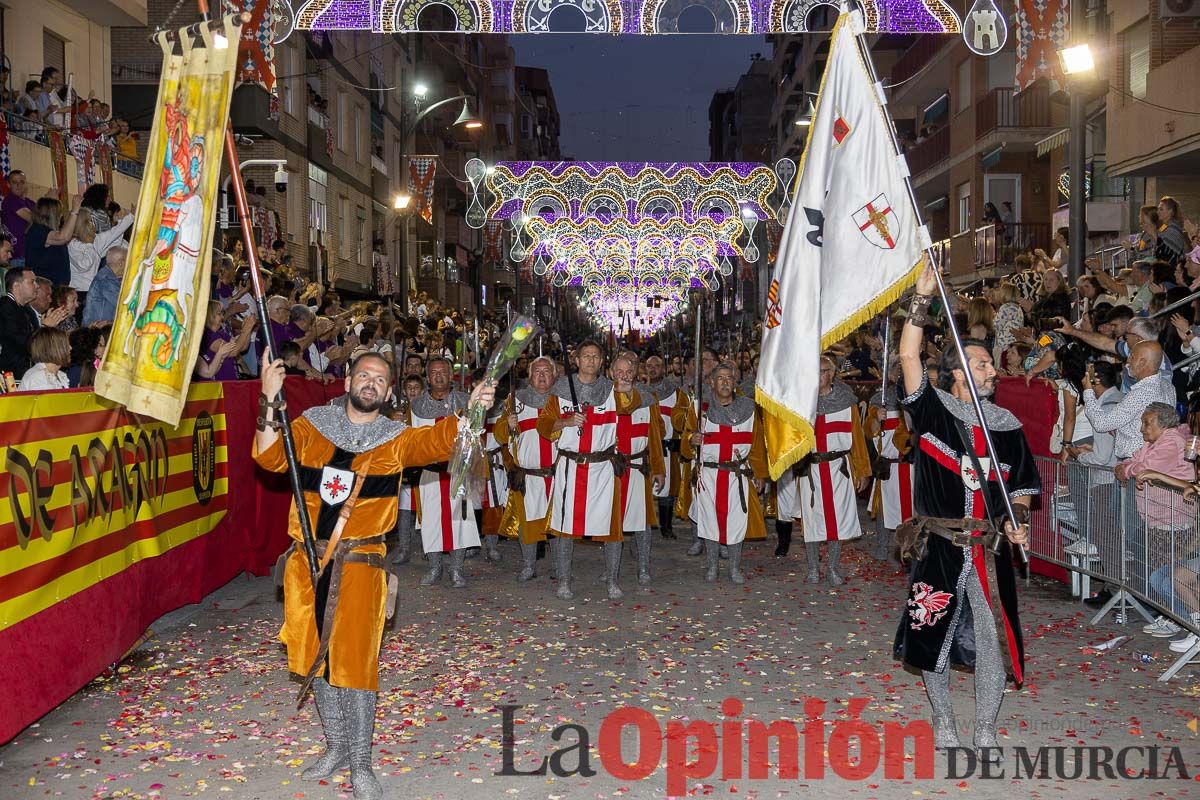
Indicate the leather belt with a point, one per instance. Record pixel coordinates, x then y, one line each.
741 468
639 461
597 457
518 474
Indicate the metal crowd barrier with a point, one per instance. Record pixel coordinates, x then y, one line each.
1144 544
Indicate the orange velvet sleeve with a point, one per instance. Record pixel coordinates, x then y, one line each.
758 450
860 459
273 459
657 435
418 447
550 415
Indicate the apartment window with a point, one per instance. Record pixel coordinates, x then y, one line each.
287 85
1137 51
963 193
360 131
364 250
344 230
962 89
54 52
295 204
526 126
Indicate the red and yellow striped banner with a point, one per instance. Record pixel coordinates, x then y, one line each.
92 489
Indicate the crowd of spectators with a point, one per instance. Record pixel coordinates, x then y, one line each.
49 102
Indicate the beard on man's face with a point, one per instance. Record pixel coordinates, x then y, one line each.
366 400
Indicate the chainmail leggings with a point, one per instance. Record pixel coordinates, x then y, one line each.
989 668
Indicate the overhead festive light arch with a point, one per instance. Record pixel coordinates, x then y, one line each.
646 17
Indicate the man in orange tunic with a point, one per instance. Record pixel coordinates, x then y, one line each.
350 459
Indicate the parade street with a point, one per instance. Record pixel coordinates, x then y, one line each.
202 707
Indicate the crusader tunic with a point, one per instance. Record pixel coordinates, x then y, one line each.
725 506
334 455
446 524
640 439
887 427
673 409
583 498
495 488
825 481
532 456
937 629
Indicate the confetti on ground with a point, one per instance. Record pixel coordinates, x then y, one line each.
206 707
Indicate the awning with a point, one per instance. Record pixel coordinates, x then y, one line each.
936 109
991 158
1053 142
938 203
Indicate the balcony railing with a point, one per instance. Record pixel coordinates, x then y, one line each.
929 151
1002 108
1000 245
916 57
378 165
35 131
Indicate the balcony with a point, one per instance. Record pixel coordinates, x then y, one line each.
929 152
378 165
28 150
918 56
988 247
1002 108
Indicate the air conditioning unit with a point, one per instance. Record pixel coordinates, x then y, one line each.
1168 9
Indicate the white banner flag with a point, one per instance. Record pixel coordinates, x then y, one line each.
850 246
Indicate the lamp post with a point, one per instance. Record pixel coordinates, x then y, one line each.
400 207
1078 65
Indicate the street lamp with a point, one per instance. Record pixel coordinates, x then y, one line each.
805 119
467 118
401 201
1079 65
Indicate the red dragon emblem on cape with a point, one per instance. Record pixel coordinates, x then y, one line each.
927 606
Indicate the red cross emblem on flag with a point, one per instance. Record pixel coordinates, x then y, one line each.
841 129
335 485
877 222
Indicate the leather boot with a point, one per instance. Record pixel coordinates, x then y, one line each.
666 517
712 556
528 559
783 531
337 743
643 554
564 547
457 579
359 707
735 563
491 552
435 570
612 565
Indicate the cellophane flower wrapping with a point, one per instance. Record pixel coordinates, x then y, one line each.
468 472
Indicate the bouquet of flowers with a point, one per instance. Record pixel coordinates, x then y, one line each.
467 461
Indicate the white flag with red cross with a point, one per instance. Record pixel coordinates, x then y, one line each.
851 245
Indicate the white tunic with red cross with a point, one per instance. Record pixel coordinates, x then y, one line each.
828 505
717 505
897 488
533 451
666 407
495 488
582 494
633 436
446 524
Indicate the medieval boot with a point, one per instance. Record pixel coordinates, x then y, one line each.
735 563
435 570
491 551
666 517
643 555
697 546
457 579
724 551
563 547
612 566
528 558
835 554
783 531
945 729
337 744
359 707
883 543
404 548
812 551
713 558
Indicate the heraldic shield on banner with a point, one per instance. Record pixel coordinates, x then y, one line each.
877 221
162 307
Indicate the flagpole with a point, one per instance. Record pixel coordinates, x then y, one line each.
865 54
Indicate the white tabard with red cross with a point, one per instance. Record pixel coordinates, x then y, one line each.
533 451
495 489
445 524
633 436
582 495
717 507
897 488
828 505
667 407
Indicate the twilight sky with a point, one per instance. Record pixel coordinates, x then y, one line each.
637 98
